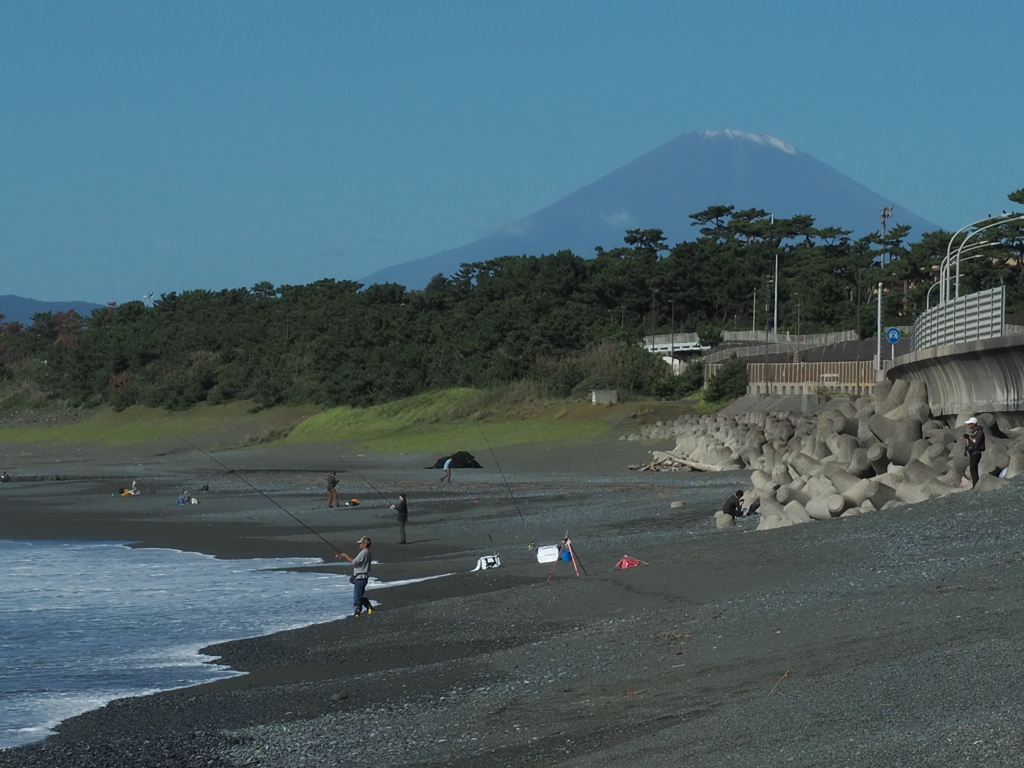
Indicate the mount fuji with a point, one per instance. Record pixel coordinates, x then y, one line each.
662 188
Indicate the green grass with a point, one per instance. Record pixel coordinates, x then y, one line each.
465 417
234 422
471 419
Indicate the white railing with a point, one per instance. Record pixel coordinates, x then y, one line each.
973 317
670 343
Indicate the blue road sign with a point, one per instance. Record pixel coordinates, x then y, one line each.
893 335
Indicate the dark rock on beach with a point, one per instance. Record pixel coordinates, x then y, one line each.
460 460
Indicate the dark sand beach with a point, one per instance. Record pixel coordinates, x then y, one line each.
888 639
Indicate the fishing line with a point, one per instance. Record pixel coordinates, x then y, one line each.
386 499
260 492
503 476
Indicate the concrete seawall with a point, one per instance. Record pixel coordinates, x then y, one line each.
970 377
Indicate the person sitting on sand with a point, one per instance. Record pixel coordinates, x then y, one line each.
4 477
184 497
733 506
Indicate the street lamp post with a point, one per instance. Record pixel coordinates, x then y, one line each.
944 268
878 352
959 257
1002 219
771 234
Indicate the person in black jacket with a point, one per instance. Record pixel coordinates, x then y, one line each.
402 508
733 506
975 437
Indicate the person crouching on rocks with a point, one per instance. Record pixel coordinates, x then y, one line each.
733 506
975 437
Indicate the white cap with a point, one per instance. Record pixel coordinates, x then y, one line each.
971 420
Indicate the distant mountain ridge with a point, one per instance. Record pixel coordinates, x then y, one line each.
17 309
662 188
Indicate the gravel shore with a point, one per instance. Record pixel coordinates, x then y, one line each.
884 639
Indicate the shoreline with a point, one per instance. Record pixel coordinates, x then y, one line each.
815 645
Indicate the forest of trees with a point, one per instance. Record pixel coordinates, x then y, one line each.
565 322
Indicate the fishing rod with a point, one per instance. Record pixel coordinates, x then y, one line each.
259 491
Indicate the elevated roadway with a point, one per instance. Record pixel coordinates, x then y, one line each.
970 377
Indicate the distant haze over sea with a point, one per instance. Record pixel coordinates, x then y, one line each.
662 188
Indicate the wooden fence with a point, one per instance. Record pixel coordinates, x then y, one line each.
854 377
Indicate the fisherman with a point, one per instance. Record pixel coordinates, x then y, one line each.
447 470
402 508
975 446
733 506
360 575
332 490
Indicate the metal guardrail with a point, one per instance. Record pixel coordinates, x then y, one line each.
797 342
666 343
807 340
977 316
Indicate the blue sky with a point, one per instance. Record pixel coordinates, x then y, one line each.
171 146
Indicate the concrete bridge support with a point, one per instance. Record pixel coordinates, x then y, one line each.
970 377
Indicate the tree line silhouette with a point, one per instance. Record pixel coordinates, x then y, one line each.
567 323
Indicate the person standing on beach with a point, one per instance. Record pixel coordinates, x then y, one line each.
360 575
447 470
402 508
332 490
975 438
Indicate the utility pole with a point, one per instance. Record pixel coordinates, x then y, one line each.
886 215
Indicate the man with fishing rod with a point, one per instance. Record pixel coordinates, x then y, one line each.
360 575
332 490
402 508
